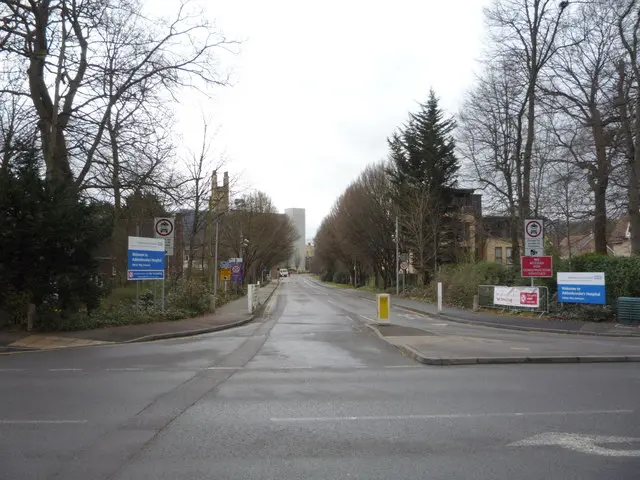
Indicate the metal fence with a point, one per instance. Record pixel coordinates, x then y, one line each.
486 296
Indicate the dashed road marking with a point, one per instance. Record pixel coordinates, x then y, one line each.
124 369
447 416
41 422
65 369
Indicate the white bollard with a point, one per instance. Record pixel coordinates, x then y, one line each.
439 297
250 294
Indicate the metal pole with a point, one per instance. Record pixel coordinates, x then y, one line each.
215 266
137 281
163 292
397 259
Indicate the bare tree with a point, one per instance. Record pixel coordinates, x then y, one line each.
580 84
15 128
490 139
526 30
424 228
364 223
62 43
270 236
628 102
201 171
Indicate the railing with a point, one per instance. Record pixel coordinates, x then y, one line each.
523 298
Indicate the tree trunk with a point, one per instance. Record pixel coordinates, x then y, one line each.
632 142
600 184
634 183
600 219
528 150
515 226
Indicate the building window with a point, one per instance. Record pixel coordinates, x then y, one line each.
499 254
509 256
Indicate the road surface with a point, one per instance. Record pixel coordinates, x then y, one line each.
308 392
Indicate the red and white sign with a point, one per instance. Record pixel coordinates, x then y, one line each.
516 296
537 266
165 228
533 237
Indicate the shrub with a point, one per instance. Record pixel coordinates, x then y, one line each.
189 295
341 277
621 274
460 282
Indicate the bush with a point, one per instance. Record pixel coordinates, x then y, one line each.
53 320
622 274
189 295
460 282
341 278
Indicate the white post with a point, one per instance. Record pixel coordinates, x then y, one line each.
250 294
439 297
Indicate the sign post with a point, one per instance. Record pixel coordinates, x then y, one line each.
533 245
146 260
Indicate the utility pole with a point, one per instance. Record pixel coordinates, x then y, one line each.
397 259
215 263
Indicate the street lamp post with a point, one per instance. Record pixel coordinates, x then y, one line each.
215 263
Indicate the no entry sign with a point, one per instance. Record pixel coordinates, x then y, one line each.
537 266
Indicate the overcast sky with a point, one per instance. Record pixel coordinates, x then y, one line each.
320 85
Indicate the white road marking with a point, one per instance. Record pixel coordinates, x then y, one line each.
581 443
439 324
65 369
367 318
403 366
223 368
412 312
448 416
333 303
123 369
41 422
519 348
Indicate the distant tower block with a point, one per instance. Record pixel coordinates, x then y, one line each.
297 216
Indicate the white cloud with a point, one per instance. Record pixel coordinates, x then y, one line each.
321 85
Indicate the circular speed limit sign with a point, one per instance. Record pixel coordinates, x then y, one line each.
533 229
235 269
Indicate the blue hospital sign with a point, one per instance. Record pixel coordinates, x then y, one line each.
581 287
145 258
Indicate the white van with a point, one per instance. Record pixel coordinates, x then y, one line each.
284 272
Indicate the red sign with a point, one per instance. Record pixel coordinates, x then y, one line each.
529 298
537 266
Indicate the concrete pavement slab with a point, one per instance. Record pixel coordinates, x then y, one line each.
432 349
231 315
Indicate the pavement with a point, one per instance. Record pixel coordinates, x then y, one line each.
495 319
232 314
308 391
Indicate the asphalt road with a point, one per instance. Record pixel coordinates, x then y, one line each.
307 392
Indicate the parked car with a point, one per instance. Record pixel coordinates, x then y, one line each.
284 272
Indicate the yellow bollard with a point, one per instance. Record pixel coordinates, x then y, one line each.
383 305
